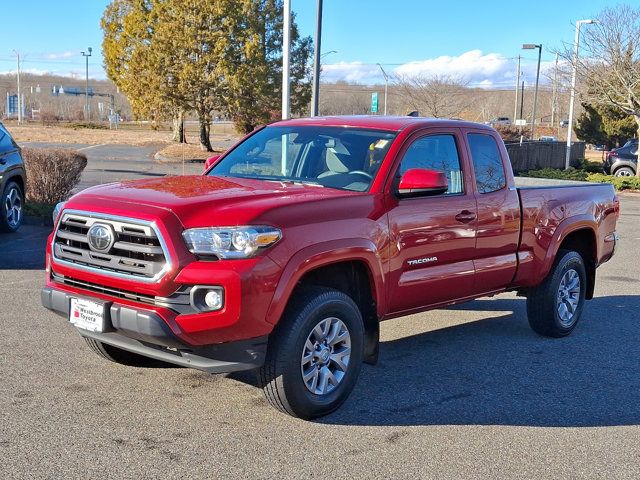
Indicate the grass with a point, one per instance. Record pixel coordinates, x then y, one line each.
185 151
99 134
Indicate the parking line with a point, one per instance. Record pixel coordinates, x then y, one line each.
91 146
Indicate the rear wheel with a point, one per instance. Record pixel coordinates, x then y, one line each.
624 172
315 355
11 208
554 307
123 357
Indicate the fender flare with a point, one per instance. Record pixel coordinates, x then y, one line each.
323 254
565 228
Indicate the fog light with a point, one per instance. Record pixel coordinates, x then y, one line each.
213 300
207 298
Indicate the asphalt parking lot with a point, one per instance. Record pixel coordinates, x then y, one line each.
468 392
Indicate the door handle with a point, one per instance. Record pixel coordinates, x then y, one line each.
465 216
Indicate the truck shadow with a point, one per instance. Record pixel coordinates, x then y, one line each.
498 372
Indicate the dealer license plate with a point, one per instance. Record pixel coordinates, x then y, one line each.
87 315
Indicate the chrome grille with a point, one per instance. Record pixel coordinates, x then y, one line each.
137 251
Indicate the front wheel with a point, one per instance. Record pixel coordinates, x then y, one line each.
11 208
554 307
315 355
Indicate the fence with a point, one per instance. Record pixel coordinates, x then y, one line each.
535 155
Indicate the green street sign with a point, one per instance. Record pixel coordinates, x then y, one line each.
374 102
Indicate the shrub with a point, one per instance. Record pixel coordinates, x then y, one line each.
92 126
511 133
619 183
590 167
52 173
555 173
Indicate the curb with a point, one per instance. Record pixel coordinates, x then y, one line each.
164 159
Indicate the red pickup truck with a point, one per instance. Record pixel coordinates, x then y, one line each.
292 247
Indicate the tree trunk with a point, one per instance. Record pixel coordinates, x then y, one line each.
178 128
205 130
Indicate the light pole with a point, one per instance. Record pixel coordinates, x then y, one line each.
286 46
386 86
576 46
316 63
19 94
531 46
315 91
515 108
86 87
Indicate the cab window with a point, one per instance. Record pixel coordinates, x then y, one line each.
436 152
487 163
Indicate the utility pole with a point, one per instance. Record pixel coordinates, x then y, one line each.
576 49
315 92
86 87
554 94
521 104
19 94
515 107
386 87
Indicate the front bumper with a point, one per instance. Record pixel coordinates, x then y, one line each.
145 332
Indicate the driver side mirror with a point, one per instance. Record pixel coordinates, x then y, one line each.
420 182
210 161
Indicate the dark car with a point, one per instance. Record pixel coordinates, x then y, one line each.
12 182
623 161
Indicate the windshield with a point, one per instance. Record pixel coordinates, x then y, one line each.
336 157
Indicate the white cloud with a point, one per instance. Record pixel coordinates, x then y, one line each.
58 56
350 71
479 69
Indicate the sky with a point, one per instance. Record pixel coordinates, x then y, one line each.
477 41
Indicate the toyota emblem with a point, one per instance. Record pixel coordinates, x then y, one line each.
100 237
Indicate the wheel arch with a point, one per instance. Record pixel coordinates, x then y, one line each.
583 241
355 270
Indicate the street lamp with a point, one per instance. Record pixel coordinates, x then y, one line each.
86 87
315 88
531 46
386 85
576 45
19 94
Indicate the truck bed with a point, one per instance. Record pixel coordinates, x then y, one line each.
551 213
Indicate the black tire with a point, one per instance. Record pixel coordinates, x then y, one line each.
543 301
624 172
281 376
123 357
8 222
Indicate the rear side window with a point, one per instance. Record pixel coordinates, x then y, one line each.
6 143
435 152
487 163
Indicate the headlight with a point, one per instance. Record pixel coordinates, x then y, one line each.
56 211
230 242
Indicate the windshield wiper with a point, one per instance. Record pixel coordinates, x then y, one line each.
270 178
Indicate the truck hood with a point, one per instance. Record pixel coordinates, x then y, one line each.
200 201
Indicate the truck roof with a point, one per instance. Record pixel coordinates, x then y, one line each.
378 122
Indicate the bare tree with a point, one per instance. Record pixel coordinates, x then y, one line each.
609 64
439 96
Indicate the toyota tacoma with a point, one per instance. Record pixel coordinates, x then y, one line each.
285 255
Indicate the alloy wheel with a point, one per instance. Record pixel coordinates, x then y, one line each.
325 356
